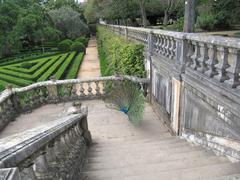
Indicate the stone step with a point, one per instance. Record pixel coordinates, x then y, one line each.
171 154
190 173
154 148
140 145
158 150
135 138
159 164
228 177
127 143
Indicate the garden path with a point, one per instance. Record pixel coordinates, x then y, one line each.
90 66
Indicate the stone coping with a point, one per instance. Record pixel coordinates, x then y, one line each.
18 147
8 92
205 38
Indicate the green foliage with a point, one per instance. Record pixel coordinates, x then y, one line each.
207 22
127 97
77 46
72 73
177 26
59 65
52 69
27 64
121 57
59 74
1 87
83 40
65 45
15 80
103 62
69 22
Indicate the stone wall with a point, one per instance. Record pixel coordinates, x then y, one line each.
195 80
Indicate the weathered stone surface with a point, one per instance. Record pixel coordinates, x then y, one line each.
208 70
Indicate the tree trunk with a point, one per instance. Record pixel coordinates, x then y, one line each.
143 12
165 19
189 16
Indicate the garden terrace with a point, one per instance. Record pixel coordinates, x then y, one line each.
24 73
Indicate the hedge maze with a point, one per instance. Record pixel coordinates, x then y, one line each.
61 66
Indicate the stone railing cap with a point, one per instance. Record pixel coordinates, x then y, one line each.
17 147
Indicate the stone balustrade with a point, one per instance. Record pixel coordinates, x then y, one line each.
195 82
19 100
215 57
53 151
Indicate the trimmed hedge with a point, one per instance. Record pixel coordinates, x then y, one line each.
83 40
28 76
121 57
77 46
15 80
34 68
52 69
20 60
72 73
64 66
65 45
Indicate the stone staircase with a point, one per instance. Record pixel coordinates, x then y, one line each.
121 151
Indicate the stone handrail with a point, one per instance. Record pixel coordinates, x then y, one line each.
18 100
212 57
52 151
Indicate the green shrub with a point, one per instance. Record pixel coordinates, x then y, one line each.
72 73
52 69
121 57
65 45
15 80
36 75
27 64
64 66
206 22
1 87
78 46
82 40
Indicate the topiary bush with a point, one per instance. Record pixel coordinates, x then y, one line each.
77 46
65 45
27 64
121 57
83 40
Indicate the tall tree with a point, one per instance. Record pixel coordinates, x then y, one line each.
189 16
142 4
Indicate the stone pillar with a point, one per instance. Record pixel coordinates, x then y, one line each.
176 97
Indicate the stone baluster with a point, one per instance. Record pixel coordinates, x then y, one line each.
203 58
82 90
89 89
167 47
190 51
234 70
195 55
97 88
212 61
222 65
27 170
172 48
163 45
74 93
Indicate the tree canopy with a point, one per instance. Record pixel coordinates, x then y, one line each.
26 23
